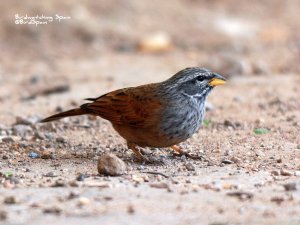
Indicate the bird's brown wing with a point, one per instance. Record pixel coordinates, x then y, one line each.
134 107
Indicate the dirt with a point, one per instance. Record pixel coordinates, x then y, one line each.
249 169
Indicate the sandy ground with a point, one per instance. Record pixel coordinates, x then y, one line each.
48 172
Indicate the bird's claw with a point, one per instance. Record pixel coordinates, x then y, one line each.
188 155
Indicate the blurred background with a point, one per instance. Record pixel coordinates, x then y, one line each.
249 140
111 44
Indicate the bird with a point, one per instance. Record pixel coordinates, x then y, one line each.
156 115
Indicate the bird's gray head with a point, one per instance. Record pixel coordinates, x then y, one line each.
194 82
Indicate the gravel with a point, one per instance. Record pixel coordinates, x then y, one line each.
22 130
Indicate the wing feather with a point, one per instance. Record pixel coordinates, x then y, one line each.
136 107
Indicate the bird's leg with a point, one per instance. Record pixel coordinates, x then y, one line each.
180 152
177 149
136 151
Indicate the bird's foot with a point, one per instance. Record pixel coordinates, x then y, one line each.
142 158
188 155
179 152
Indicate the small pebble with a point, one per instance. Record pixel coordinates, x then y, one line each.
34 79
47 155
228 123
241 195
190 167
24 144
73 183
108 198
284 172
210 163
59 183
60 140
33 155
260 153
8 140
137 178
82 201
277 199
216 185
130 209
227 161
50 174
73 195
52 210
161 185
3 215
290 187
38 135
235 159
275 172
111 165
10 200
156 42
80 177
49 136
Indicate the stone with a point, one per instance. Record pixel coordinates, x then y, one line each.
227 161
156 42
290 187
190 167
111 165
275 172
82 201
10 200
60 140
161 185
3 215
235 159
33 155
8 140
284 172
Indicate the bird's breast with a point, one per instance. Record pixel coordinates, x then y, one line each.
182 121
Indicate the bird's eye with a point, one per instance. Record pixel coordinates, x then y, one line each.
200 78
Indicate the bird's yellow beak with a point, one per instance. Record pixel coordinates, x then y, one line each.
216 81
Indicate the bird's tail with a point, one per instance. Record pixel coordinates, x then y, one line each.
72 112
